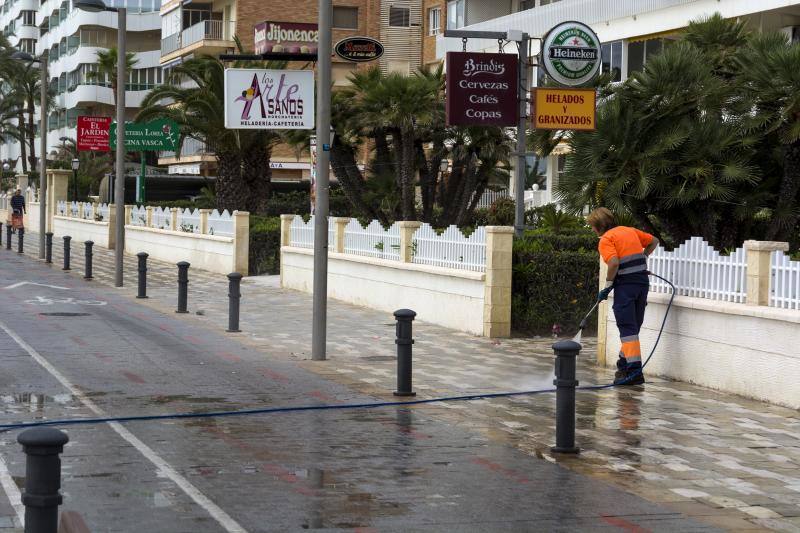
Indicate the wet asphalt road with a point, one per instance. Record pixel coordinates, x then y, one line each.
86 350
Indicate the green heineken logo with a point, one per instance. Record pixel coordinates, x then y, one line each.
571 54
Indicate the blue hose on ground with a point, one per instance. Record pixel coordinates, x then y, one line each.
330 407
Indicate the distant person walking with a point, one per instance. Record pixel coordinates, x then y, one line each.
17 210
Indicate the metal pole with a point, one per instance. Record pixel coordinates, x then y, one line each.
234 296
183 286
519 185
140 180
142 289
320 305
88 259
9 229
48 254
43 82
119 188
41 496
565 382
404 341
1 234
67 239
20 240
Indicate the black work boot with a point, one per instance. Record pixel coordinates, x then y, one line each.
629 373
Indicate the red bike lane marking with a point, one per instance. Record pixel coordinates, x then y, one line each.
136 378
500 469
621 523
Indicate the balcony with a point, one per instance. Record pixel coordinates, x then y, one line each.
192 151
210 37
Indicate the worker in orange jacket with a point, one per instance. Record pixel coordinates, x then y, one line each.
625 251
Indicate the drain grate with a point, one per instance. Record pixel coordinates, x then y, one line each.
65 314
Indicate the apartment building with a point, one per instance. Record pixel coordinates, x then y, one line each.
631 31
189 29
71 38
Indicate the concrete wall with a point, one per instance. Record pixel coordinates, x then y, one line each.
81 230
206 252
443 296
745 349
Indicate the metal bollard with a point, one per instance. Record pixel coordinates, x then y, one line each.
9 229
48 247
1 234
565 382
404 341
183 286
142 291
234 296
67 238
41 496
20 240
88 256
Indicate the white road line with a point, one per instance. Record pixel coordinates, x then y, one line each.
12 491
225 520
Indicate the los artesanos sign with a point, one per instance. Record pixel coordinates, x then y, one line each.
571 54
269 99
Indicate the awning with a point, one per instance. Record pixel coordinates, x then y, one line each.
659 35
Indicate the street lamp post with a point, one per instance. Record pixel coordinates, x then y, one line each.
43 79
76 163
119 185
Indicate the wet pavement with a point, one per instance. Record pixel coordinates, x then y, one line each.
650 458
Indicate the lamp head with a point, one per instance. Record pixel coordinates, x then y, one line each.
23 56
93 6
76 163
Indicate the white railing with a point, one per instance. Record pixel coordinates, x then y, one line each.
188 220
220 223
103 210
138 216
784 282
3 201
450 249
87 211
162 218
302 234
372 241
698 270
61 207
73 209
489 197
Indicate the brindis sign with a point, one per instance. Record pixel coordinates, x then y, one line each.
482 89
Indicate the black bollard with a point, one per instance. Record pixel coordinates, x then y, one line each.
565 382
183 286
142 292
88 256
1 234
67 238
41 496
20 240
48 247
234 296
9 229
404 341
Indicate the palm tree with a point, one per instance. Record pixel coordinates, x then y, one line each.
107 68
770 70
243 156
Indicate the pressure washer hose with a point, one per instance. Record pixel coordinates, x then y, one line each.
330 407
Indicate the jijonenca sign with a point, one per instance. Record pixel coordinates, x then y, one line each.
481 89
269 99
285 37
571 54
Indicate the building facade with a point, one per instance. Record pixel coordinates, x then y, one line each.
189 29
71 38
631 31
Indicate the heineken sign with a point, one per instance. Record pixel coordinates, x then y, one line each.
571 54
158 135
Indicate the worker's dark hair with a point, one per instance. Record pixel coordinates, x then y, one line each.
602 219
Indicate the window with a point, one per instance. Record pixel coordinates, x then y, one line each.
27 45
612 59
345 18
399 17
434 21
640 51
28 18
455 14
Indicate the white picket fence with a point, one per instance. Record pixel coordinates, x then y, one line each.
188 220
82 210
220 223
372 241
449 249
162 218
784 282
489 197
698 270
4 201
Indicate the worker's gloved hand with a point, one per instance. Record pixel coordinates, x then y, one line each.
603 295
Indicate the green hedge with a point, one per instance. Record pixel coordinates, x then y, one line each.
265 245
554 282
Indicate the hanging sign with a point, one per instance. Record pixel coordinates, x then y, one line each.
482 89
571 54
159 135
285 37
359 49
564 109
93 134
261 99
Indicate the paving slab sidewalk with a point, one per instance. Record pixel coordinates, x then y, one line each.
725 460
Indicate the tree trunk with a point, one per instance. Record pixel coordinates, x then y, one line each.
32 134
428 170
785 216
345 168
383 154
407 185
232 192
256 175
23 148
